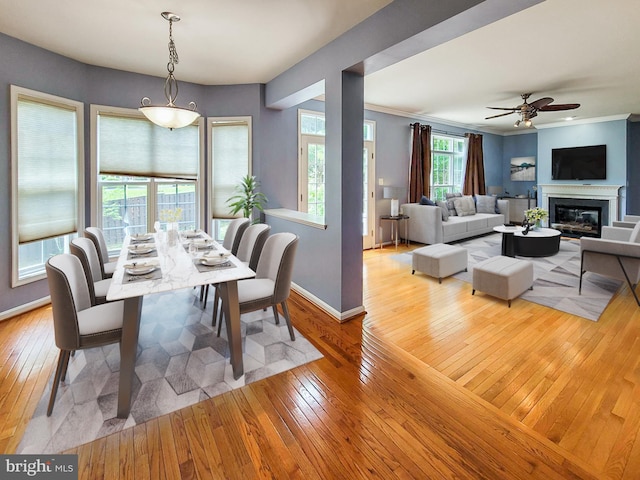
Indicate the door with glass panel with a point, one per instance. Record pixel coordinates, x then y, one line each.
368 193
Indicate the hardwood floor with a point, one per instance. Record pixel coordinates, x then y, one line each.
431 383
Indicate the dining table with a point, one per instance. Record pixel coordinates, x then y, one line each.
159 262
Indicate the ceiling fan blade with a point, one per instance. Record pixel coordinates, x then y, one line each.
504 108
559 106
500 115
541 102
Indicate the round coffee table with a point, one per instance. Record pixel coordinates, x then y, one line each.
543 242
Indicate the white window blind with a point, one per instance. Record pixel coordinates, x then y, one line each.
47 176
230 154
135 146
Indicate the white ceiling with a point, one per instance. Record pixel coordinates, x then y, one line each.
576 51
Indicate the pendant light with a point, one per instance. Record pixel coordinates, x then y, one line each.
170 116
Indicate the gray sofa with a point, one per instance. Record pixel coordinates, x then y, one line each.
426 224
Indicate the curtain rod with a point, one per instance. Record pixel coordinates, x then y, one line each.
444 132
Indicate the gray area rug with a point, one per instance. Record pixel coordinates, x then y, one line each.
556 277
180 362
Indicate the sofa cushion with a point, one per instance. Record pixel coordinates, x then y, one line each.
464 206
485 204
426 201
450 205
445 210
477 222
455 227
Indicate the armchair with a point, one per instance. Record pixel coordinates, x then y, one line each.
628 221
616 255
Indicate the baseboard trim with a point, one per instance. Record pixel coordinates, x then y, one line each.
335 314
12 312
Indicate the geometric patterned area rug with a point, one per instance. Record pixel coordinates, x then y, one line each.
180 362
556 277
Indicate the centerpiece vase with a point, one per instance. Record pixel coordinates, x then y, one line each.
538 225
173 236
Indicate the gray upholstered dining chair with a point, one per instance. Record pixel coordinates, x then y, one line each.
249 250
96 235
85 250
235 230
616 254
77 324
231 241
272 284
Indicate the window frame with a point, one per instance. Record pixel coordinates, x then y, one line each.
152 182
215 226
17 93
452 186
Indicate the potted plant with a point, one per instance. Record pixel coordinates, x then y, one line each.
247 197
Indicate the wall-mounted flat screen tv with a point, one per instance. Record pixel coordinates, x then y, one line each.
579 163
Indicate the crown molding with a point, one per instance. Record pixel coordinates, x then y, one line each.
583 121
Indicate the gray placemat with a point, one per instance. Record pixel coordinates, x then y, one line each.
155 275
207 268
136 256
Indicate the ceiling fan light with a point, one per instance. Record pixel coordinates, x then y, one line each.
528 123
517 124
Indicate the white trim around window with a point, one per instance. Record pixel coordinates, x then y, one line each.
36 271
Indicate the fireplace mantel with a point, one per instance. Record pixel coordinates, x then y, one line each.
574 190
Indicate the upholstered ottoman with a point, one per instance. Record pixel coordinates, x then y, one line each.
503 277
439 260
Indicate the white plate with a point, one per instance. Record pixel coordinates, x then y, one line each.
211 261
191 234
141 237
141 249
140 269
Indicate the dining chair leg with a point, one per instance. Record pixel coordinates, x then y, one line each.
206 295
285 311
276 317
220 321
216 302
63 360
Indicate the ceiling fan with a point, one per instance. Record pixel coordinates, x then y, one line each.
528 111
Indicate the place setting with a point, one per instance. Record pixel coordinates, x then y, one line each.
145 270
213 260
137 250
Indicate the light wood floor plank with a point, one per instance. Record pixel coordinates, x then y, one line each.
432 382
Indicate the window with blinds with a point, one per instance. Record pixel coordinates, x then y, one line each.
47 159
230 160
142 172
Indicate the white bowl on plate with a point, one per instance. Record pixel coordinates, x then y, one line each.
139 269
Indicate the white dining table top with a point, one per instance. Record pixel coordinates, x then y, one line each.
177 266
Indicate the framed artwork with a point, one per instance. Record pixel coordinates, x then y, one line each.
523 169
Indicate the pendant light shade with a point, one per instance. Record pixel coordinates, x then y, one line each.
170 116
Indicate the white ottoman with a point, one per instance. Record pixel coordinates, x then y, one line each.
503 277
439 260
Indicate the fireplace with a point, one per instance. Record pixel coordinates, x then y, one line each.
578 217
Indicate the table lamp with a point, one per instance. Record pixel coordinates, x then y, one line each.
392 193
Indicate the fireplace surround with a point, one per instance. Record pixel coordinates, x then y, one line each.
579 193
578 217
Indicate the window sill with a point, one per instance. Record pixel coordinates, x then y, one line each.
297 217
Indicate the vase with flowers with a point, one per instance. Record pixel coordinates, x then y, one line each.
171 218
534 216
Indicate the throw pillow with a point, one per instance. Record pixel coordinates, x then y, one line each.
485 204
450 205
465 206
445 211
426 201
